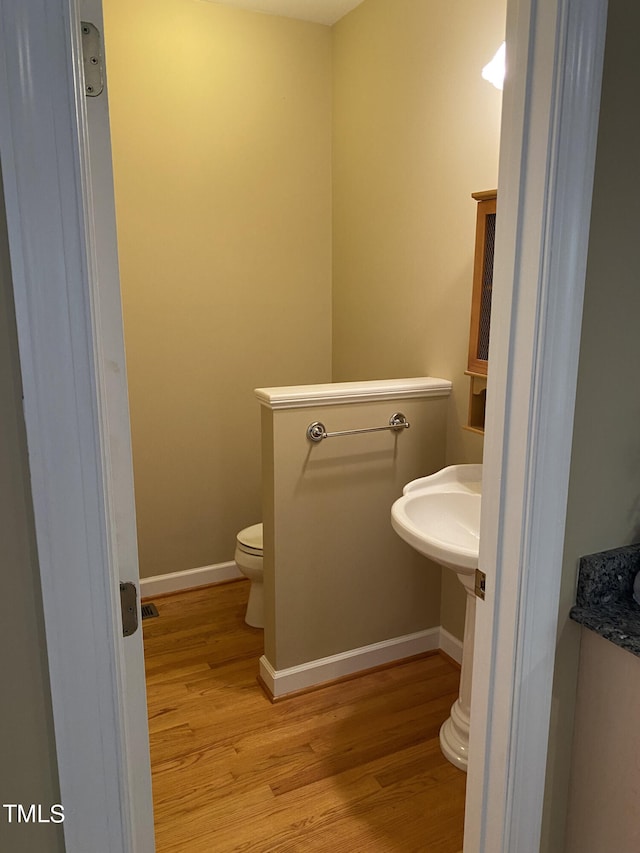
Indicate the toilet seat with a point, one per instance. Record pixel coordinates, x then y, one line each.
249 540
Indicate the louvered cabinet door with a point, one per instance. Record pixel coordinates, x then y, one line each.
481 308
482 283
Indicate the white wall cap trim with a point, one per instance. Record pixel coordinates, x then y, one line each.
339 393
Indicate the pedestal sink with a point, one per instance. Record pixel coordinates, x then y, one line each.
439 516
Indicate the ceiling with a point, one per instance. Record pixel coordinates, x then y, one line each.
318 11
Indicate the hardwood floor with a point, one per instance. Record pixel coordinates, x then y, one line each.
353 767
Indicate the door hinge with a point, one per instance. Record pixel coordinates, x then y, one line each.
129 608
92 60
481 581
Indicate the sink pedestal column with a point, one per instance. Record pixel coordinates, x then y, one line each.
454 733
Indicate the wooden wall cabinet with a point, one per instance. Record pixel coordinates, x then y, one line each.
478 362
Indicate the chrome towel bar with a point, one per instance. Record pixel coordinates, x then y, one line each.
317 431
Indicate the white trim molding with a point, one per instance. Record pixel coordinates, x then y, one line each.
189 579
450 645
550 119
44 166
339 393
314 673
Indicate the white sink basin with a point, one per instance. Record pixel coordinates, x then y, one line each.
439 516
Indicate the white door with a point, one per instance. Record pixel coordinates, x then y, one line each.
56 163
551 103
120 486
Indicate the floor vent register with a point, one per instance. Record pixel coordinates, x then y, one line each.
149 611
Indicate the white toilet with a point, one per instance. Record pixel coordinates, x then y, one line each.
248 559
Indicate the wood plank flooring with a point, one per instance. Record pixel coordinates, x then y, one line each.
353 767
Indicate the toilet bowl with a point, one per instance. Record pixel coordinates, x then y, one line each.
248 559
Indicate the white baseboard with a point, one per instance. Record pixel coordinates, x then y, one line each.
451 645
188 579
304 676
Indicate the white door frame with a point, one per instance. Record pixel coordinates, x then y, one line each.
72 363
547 159
546 169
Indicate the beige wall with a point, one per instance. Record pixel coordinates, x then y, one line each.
344 578
224 199
605 791
28 768
416 131
221 141
603 508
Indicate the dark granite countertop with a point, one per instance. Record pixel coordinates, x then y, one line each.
604 598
